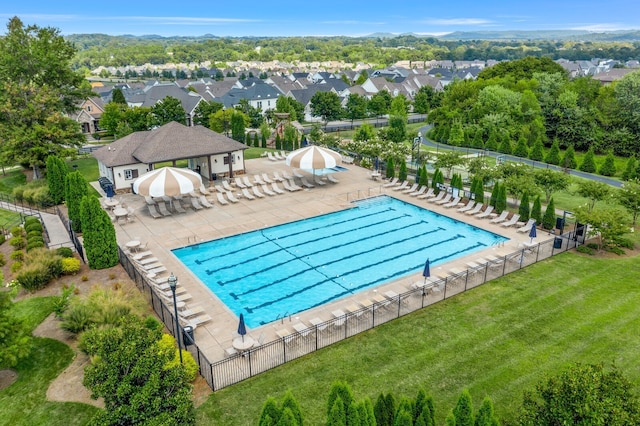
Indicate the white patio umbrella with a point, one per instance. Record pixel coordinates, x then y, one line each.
167 181
313 157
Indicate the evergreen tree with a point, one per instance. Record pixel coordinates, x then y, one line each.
75 187
479 190
492 142
553 155
549 218
522 148
485 416
424 176
384 410
505 145
438 178
287 418
536 210
337 415
290 403
608 168
450 420
403 419
15 338
117 96
501 201
630 169
247 139
391 170
568 160
56 172
101 246
402 174
477 141
340 390
524 210
588 164
537 150
278 141
494 194
263 136
463 410
271 413
367 416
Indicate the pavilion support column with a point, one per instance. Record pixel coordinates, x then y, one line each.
210 169
230 158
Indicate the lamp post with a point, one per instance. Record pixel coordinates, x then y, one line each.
173 282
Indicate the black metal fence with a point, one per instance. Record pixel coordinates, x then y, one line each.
269 355
8 202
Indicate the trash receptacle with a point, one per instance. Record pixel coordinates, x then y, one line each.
214 176
187 335
557 243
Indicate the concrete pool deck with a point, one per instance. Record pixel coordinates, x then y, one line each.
179 230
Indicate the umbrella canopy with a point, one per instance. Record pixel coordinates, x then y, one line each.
426 273
313 157
109 191
167 181
242 329
532 232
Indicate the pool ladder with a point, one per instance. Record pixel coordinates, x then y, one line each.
281 317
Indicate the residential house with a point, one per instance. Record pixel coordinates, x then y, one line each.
88 115
260 95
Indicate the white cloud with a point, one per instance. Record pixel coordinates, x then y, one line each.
603 27
458 21
352 22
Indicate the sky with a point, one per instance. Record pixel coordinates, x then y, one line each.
320 18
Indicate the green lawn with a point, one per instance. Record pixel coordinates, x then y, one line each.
24 402
496 340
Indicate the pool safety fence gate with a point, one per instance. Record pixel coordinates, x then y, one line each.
238 367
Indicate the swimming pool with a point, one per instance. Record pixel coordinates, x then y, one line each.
296 266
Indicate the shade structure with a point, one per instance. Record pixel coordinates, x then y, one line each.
167 181
426 273
313 157
532 232
242 329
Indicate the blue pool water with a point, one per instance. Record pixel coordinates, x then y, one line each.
299 265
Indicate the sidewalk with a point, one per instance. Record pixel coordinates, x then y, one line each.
58 235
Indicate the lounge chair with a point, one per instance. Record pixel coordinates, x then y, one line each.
257 192
204 202
438 197
452 203
467 207
391 183
221 199
204 190
278 156
232 197
403 185
177 206
445 199
239 183
260 340
486 213
287 176
226 186
271 157
420 191
475 210
247 182
283 155
277 177
266 190
428 194
501 218
266 178
527 226
306 183
297 174
514 219
220 189
276 188
247 194
149 200
142 254
319 181
331 179
290 186
162 207
191 312
258 180
411 189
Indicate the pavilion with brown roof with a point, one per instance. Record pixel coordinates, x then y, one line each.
209 153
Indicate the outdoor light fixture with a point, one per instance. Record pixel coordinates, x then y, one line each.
173 282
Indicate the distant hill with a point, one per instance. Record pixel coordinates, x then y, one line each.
632 35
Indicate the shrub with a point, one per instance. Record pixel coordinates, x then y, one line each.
33 227
34 234
624 242
34 244
608 168
3 261
70 265
77 318
593 246
61 302
84 278
33 277
17 255
584 249
16 266
64 252
2 239
588 162
17 231
617 250
17 242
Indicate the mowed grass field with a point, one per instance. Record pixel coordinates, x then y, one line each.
496 340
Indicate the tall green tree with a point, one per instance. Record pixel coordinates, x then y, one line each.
536 210
167 110
505 146
486 416
588 164
271 413
582 395
75 187
501 201
402 173
629 197
549 218
629 172
15 338
98 234
135 378
380 103
494 194
537 151
391 169
38 93
448 160
551 181
117 96
56 172
397 129
608 168
524 209
594 191
553 155
356 107
568 160
522 149
326 105
463 411
423 100
204 110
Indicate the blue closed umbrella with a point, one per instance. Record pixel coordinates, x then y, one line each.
109 191
242 329
532 232
425 272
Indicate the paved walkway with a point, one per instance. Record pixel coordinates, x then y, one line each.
58 235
